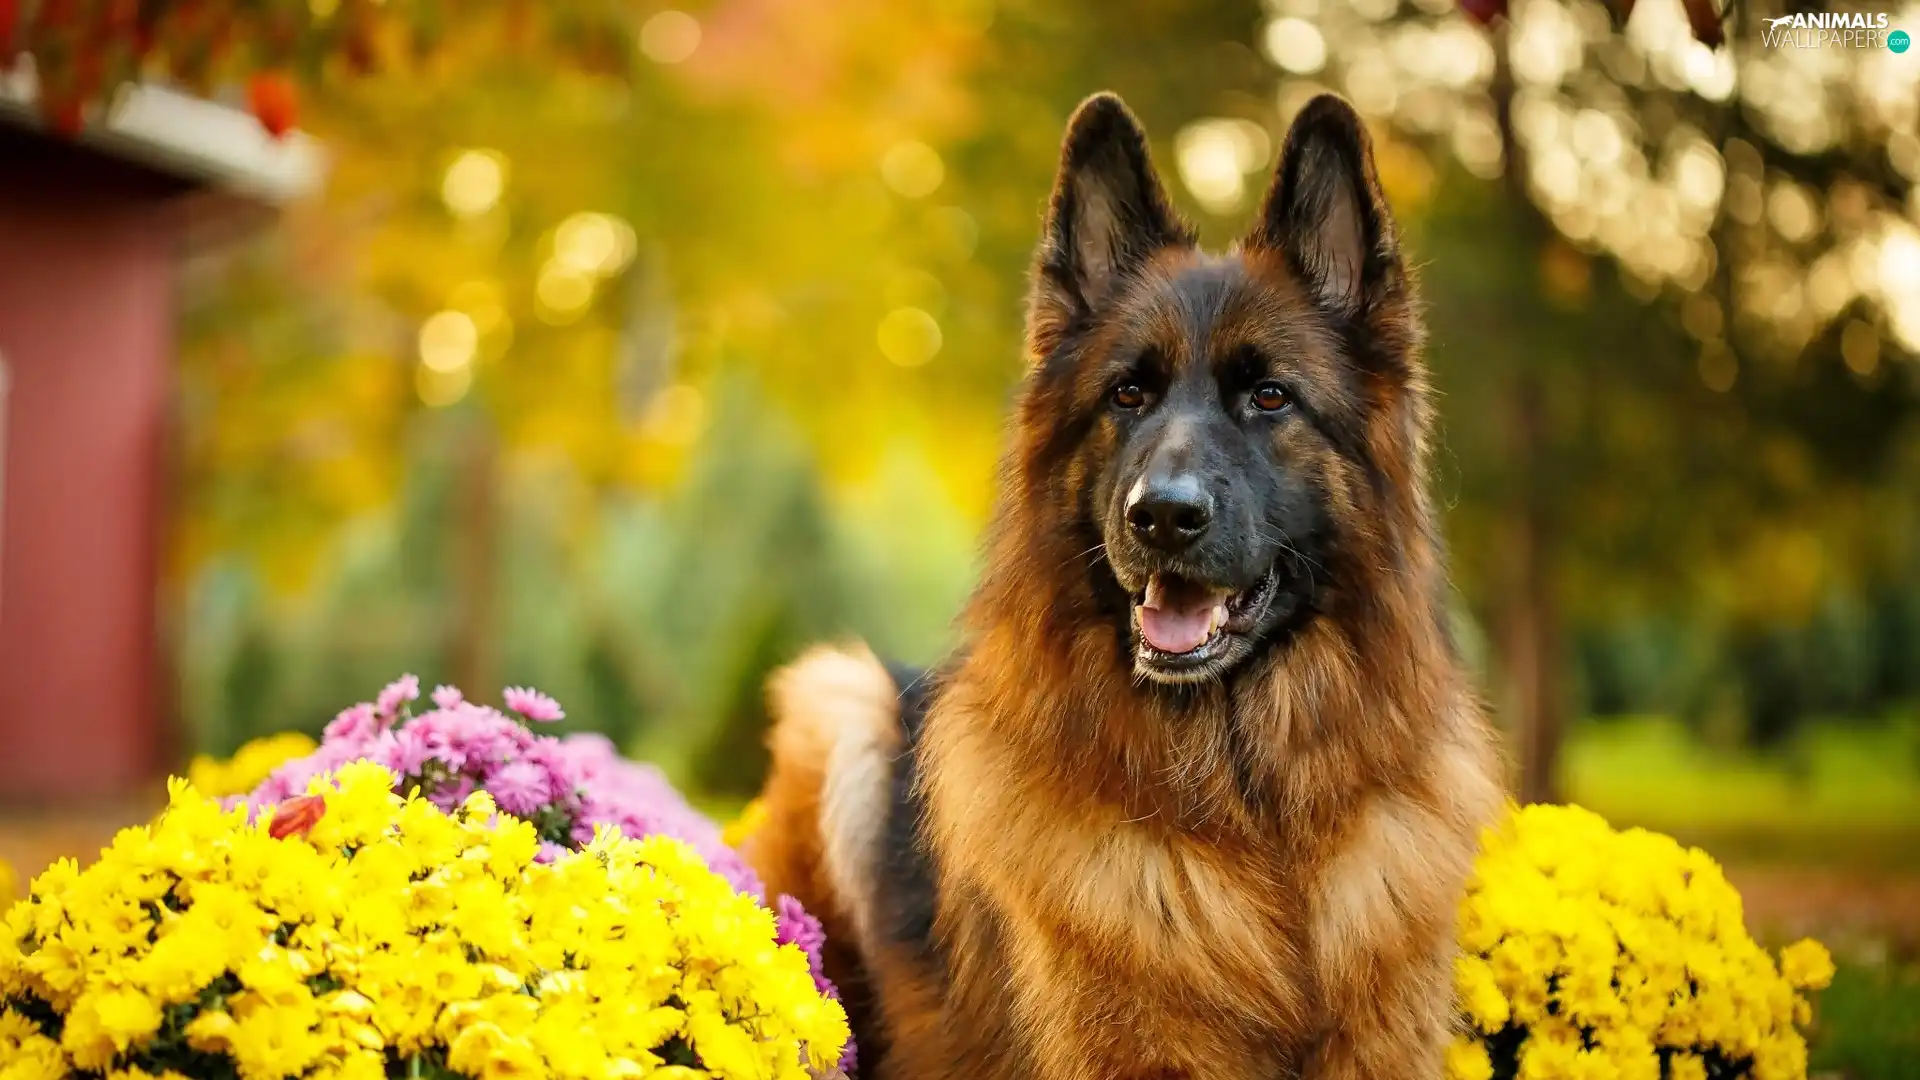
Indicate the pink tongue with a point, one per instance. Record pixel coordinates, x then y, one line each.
1176 630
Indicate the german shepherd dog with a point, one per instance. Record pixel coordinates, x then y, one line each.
1200 791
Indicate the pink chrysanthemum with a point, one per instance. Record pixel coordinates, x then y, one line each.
532 704
354 722
446 697
398 692
521 787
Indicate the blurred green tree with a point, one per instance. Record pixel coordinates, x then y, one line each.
1701 265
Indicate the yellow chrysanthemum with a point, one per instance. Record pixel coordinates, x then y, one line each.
249 765
1806 965
746 824
1467 1060
354 927
1590 953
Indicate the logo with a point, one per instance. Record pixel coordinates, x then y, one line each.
1851 30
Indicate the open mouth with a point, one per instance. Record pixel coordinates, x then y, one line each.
1183 624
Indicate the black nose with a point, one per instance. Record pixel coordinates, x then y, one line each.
1170 514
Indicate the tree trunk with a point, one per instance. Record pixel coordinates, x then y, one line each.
476 523
1530 630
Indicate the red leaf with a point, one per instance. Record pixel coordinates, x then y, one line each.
1484 12
119 18
88 72
272 97
66 114
9 31
146 28
1704 17
296 816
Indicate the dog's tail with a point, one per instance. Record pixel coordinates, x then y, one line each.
836 738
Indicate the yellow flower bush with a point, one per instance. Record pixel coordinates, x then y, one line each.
1591 954
351 933
249 765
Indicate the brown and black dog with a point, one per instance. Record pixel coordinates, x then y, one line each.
1200 792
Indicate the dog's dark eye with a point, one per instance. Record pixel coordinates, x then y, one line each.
1129 396
1271 397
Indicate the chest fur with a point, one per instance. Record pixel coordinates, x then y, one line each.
1091 900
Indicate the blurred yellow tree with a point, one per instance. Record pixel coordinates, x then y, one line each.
558 256
547 263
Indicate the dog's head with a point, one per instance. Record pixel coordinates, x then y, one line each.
1213 424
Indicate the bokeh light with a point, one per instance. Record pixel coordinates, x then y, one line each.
563 293
448 341
909 337
1296 45
591 243
913 169
439 389
474 182
1215 156
670 37
955 232
676 416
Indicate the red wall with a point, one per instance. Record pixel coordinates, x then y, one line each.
86 330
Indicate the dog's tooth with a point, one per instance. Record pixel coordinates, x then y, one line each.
1219 619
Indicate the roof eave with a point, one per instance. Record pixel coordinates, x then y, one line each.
188 137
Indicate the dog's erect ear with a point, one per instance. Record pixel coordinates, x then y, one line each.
1326 213
1107 215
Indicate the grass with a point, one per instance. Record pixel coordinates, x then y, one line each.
1869 1025
1840 795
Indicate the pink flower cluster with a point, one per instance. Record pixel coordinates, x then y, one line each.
451 750
564 787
